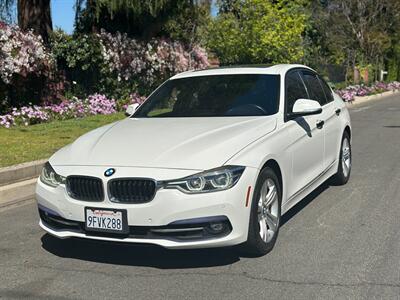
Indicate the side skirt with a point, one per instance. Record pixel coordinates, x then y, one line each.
316 182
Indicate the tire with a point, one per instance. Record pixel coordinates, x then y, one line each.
345 161
261 239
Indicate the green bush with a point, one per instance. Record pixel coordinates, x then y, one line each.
80 58
259 31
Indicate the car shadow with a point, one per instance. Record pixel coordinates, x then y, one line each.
303 124
303 203
144 255
138 254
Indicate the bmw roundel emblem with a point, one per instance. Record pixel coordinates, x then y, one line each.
109 172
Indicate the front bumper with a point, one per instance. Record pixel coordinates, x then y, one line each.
160 221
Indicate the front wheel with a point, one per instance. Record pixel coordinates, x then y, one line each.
265 215
344 169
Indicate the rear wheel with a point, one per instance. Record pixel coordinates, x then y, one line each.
344 169
265 215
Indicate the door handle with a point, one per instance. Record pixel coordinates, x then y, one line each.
337 111
320 124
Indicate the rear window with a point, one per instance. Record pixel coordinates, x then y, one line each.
327 90
314 88
214 96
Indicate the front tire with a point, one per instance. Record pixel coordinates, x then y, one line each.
345 162
265 215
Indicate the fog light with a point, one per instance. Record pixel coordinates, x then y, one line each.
216 227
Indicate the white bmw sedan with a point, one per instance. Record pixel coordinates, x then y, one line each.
213 158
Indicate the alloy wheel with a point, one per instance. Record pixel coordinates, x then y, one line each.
268 210
346 157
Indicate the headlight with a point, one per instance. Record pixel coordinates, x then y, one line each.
209 181
50 177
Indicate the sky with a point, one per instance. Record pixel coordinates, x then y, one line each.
63 14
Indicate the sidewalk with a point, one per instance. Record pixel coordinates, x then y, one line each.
17 183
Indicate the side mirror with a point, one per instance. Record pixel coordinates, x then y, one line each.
305 107
131 109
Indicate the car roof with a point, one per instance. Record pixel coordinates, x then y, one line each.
251 69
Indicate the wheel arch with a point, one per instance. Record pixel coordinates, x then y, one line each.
348 130
273 164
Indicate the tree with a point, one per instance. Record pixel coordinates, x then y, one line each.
124 15
189 23
259 31
229 6
32 14
143 19
35 14
357 32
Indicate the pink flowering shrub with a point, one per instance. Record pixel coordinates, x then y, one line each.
22 53
75 108
122 105
67 109
111 64
349 93
150 63
393 86
99 105
27 115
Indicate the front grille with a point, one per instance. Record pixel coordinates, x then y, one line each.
131 190
85 188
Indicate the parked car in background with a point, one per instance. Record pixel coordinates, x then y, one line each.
212 158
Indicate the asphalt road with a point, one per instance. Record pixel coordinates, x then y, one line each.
340 242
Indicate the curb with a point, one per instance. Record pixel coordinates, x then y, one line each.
17 192
361 100
21 172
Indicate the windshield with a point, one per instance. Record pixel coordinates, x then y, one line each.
214 96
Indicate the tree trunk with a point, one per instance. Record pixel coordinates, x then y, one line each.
35 15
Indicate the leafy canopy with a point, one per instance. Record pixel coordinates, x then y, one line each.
258 31
144 19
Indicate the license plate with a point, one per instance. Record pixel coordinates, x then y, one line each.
106 220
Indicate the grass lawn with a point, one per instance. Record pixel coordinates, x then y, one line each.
23 144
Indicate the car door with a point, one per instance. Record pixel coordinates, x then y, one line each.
307 139
318 90
333 132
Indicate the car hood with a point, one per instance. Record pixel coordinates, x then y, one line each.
183 143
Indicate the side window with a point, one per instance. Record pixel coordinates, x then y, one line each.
295 89
314 88
327 90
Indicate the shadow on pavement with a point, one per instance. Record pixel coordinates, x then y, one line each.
138 255
303 203
155 256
